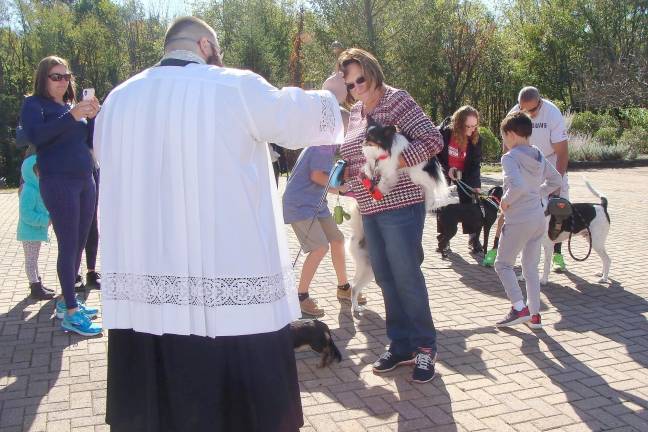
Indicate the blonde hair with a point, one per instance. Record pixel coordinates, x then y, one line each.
458 126
371 69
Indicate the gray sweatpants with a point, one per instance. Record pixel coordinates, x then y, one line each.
526 238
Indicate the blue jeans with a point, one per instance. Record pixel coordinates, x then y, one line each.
394 240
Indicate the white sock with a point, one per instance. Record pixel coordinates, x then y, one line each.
518 305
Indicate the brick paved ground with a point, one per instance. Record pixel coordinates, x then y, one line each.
587 371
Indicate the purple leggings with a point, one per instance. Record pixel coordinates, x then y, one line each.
71 203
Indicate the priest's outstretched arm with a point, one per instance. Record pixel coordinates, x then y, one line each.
291 117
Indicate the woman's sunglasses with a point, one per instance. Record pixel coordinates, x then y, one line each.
58 77
351 86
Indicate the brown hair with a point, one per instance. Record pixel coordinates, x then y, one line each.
371 69
519 123
41 77
458 126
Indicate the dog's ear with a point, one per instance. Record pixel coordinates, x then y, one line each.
390 131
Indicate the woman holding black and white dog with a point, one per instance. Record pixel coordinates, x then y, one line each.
461 160
393 225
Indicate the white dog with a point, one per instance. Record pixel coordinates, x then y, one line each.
357 248
593 215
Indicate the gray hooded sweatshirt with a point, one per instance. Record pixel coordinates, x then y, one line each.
528 178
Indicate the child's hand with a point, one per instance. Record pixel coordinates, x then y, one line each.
505 205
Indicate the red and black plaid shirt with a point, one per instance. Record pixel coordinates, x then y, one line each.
397 108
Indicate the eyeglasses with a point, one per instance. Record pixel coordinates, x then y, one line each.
351 86
58 77
532 110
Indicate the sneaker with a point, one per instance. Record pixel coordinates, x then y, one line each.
78 284
558 263
345 296
309 307
489 258
515 317
424 369
39 292
93 280
389 361
535 322
475 246
49 290
61 309
79 323
444 250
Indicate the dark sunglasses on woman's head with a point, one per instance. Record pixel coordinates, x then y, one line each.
58 77
351 86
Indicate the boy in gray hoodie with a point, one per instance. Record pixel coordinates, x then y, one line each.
527 178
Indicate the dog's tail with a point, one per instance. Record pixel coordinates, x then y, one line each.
599 195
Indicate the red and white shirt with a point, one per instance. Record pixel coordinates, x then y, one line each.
395 108
456 156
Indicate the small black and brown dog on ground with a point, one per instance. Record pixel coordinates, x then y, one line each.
317 335
475 216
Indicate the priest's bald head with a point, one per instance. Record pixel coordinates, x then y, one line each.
193 34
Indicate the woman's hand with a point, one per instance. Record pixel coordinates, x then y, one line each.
505 206
336 85
85 109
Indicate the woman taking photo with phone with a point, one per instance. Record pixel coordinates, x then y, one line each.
61 131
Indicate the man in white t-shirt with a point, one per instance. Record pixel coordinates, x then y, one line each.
550 136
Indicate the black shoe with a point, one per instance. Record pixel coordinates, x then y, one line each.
38 293
93 280
78 284
44 287
475 247
424 369
389 361
444 251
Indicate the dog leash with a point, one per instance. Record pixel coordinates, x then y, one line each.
470 191
589 236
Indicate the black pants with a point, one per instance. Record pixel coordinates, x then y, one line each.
92 245
174 383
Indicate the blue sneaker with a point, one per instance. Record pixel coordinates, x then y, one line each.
61 309
79 323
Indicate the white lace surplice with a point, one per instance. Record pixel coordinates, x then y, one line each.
192 234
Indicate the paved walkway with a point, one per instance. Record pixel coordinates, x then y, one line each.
587 371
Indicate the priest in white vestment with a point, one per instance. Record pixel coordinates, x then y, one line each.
198 288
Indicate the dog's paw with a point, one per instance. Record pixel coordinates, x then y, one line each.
603 280
358 310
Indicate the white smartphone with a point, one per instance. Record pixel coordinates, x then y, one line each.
88 93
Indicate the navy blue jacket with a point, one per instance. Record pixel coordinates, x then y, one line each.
62 143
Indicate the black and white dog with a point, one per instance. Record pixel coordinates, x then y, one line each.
317 335
594 216
477 215
382 147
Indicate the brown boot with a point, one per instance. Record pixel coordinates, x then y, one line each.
309 307
345 295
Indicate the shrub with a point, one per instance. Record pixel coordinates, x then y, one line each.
635 138
589 122
634 117
595 151
491 146
607 136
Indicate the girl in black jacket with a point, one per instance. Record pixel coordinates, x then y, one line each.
461 159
